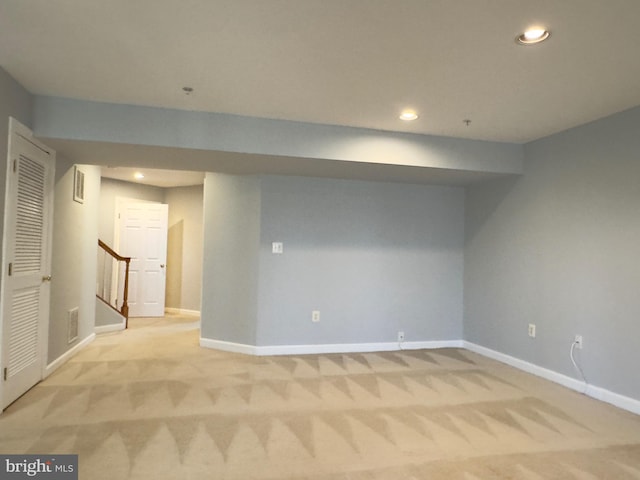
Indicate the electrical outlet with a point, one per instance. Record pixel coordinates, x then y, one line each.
315 316
532 330
578 341
400 336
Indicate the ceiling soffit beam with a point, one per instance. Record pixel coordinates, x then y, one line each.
138 125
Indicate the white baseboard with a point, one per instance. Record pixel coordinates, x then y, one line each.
182 311
114 327
352 347
228 346
324 348
620 401
523 365
604 395
62 359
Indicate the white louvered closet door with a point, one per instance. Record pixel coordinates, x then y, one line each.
26 266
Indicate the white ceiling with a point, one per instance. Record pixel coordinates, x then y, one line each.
342 62
154 176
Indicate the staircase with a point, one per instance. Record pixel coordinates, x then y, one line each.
112 283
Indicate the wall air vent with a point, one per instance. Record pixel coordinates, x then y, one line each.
72 325
78 185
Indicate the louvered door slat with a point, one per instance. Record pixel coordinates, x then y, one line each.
23 338
29 221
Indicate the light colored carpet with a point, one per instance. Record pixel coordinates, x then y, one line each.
149 403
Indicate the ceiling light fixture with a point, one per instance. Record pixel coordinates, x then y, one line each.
187 90
138 176
408 115
533 35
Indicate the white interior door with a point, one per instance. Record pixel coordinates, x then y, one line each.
143 237
26 263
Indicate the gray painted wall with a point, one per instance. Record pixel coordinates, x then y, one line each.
558 248
75 238
184 247
231 257
373 258
15 102
105 315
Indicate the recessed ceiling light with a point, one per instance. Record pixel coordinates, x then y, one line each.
532 36
408 115
138 176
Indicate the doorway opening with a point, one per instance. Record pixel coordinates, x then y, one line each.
130 219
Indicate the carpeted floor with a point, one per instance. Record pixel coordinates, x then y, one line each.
149 403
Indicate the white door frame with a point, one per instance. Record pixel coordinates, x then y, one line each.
15 127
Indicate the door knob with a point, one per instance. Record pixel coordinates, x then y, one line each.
46 278
162 265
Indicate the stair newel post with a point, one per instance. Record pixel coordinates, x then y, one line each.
125 297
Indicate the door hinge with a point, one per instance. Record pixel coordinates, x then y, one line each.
10 269
5 374
15 165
